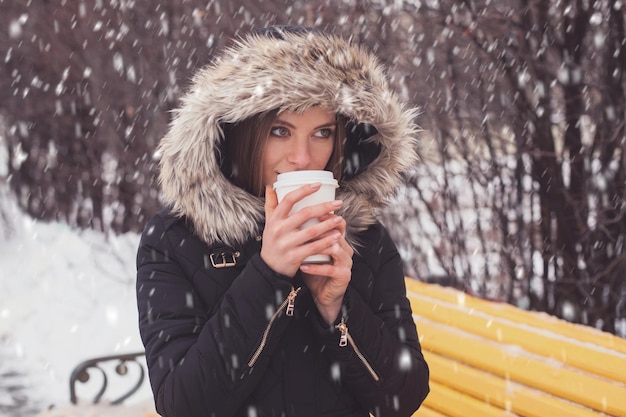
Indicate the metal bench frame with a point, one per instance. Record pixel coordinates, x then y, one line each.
81 374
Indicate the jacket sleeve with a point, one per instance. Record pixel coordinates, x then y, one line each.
381 363
198 361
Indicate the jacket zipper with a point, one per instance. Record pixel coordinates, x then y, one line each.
344 338
288 305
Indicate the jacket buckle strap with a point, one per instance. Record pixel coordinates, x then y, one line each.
224 259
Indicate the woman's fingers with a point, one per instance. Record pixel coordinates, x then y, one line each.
271 201
291 198
285 241
341 253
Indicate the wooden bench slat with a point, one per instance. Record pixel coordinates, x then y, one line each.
570 351
520 366
512 313
425 411
495 390
454 403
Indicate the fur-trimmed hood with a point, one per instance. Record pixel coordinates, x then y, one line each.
293 72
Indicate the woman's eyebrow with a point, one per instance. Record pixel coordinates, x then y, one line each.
329 124
332 123
280 121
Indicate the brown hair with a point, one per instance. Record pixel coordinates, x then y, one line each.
244 143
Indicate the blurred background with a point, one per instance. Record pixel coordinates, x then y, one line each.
520 192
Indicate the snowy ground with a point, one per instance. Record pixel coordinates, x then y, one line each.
65 296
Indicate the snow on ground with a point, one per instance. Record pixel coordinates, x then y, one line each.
65 296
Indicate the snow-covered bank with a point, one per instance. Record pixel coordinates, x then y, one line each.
65 296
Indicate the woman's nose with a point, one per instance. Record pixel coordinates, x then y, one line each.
299 154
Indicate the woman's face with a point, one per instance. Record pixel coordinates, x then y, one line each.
299 142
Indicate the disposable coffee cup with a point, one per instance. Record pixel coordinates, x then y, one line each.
290 181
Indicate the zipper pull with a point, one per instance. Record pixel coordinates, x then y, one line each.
291 301
343 328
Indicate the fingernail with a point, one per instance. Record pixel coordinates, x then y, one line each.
337 203
337 219
304 267
316 185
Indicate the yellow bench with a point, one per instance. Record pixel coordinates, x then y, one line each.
490 359
493 359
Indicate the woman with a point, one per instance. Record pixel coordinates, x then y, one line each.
232 322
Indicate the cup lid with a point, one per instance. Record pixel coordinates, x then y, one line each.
305 177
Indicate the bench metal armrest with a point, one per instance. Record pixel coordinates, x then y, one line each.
81 374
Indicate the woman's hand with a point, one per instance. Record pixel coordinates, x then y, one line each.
328 282
284 245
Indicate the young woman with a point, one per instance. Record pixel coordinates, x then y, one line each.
233 323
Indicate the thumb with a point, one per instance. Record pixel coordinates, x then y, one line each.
271 201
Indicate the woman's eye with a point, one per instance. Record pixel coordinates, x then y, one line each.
324 133
279 131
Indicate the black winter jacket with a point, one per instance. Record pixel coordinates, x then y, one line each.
222 339
224 334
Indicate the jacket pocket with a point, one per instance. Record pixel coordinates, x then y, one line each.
345 338
288 305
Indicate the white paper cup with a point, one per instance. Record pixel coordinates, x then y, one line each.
290 181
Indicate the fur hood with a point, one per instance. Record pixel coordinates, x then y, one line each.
293 71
